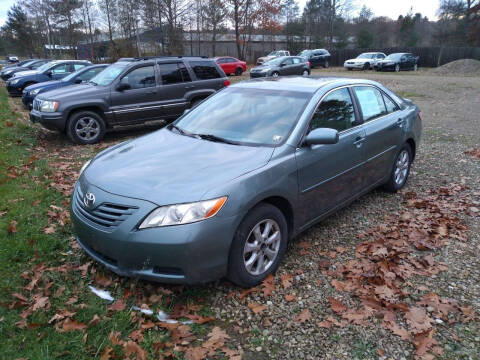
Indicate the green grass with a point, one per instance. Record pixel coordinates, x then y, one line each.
26 196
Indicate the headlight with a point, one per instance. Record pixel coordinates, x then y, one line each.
183 213
34 92
84 167
8 71
48 106
14 81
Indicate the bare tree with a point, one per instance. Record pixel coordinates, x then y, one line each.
215 14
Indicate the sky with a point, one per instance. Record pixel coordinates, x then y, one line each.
390 8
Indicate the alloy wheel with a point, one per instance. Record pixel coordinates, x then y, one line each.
305 73
262 247
401 167
275 74
397 68
87 128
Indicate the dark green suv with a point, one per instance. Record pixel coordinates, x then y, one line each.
128 92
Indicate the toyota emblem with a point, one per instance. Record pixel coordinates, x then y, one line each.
89 199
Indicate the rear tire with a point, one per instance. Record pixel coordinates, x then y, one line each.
400 170
85 127
366 66
397 68
238 71
326 64
258 246
275 74
306 73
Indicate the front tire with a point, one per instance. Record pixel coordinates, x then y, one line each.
275 74
366 66
85 127
397 68
305 73
258 246
400 170
326 64
415 67
238 71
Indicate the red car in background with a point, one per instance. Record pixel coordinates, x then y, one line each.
230 65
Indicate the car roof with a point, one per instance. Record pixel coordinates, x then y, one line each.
309 84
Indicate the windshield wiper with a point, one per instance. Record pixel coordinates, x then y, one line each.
183 132
216 138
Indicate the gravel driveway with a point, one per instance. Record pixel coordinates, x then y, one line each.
293 317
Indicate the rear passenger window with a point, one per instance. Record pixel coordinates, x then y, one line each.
78 66
174 73
140 78
204 70
297 60
334 112
391 106
371 102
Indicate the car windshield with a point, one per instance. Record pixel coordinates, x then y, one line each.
276 61
246 116
110 73
45 66
275 53
29 63
72 75
394 57
305 53
366 56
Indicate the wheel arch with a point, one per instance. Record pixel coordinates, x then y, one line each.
412 144
94 108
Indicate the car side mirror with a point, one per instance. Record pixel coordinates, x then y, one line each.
282 64
49 73
186 111
78 81
321 136
123 87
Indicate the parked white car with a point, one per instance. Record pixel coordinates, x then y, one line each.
364 61
272 55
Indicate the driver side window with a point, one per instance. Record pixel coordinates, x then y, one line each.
334 112
61 69
287 62
140 78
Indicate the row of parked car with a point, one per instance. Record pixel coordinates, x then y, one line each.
138 90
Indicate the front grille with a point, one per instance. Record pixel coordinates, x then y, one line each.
106 214
36 105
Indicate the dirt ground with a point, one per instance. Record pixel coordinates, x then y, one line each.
289 323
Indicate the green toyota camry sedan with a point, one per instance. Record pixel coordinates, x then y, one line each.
220 191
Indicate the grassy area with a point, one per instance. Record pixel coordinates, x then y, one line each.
46 308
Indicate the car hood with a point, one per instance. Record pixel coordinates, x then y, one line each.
386 61
26 73
168 168
261 67
73 91
42 85
360 60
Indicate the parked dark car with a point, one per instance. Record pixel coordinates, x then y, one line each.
12 65
397 62
128 93
222 190
281 66
53 70
231 65
82 75
317 57
31 65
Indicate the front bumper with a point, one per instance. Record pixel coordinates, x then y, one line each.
258 74
50 121
380 67
353 65
183 254
27 99
15 90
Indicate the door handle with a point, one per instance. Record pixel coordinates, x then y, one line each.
359 141
190 87
400 122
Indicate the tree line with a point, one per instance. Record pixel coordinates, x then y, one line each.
122 24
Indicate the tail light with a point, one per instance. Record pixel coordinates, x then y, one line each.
308 63
418 115
226 83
